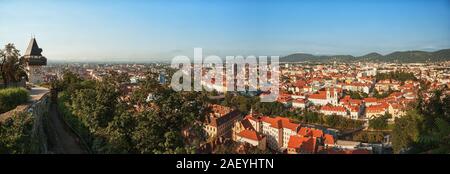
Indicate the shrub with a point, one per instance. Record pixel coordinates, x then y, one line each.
12 97
16 135
380 123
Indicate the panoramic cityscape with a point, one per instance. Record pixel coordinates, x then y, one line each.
225 77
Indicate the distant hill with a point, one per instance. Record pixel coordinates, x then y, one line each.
298 57
309 57
371 56
398 56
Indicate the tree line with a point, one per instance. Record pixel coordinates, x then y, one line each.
396 75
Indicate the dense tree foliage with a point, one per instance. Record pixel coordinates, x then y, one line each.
397 75
356 95
425 129
369 137
246 103
380 123
139 125
15 135
333 121
406 131
12 66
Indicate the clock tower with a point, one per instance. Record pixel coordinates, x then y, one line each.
34 61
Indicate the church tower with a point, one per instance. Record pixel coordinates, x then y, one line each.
335 94
35 61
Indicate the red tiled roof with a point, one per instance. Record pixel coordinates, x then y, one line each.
250 134
222 110
304 131
300 83
354 109
309 146
396 94
317 133
284 98
346 98
299 100
370 100
333 108
323 93
318 96
291 126
376 109
246 124
280 122
296 141
355 101
329 139
220 115
310 132
304 144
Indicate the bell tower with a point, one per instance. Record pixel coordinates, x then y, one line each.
35 61
335 94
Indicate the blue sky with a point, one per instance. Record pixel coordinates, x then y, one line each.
158 30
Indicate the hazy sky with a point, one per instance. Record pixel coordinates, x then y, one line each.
147 30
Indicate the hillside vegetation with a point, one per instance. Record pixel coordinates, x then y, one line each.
398 56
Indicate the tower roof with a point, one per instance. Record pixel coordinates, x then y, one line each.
33 49
33 54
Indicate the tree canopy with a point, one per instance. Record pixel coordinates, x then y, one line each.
425 129
135 126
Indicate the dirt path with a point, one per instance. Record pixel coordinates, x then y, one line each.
61 139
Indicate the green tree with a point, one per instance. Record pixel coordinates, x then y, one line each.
120 131
397 75
435 136
380 123
438 139
406 131
369 137
332 120
12 66
269 108
15 135
434 109
357 95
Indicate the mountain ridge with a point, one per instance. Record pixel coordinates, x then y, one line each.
396 56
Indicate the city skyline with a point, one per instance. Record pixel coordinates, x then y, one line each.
157 30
